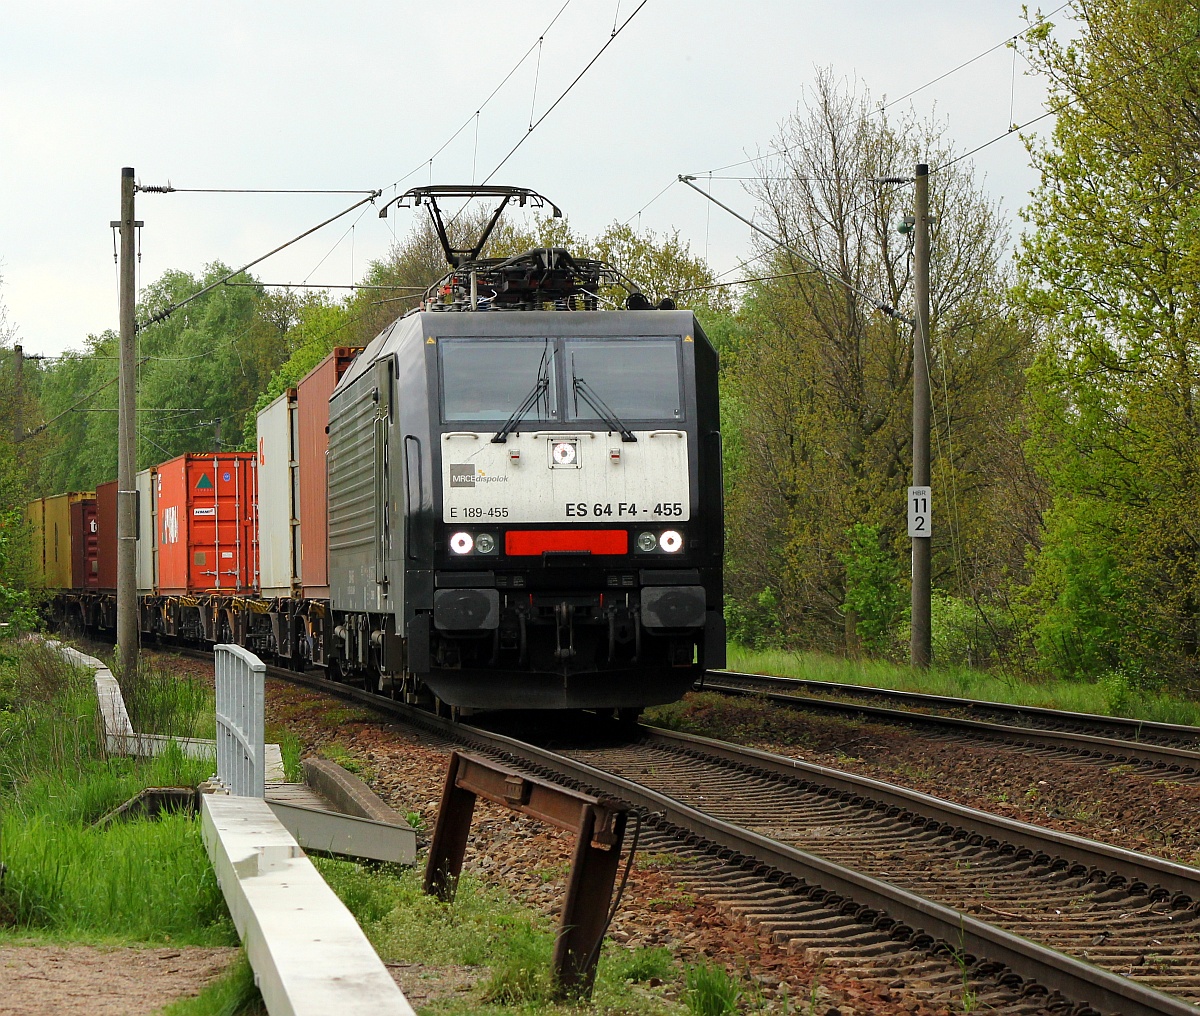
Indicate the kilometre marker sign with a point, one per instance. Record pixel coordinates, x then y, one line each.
920 511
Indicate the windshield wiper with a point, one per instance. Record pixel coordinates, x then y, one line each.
535 393
540 387
599 407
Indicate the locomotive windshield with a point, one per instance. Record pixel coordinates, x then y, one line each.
637 378
487 379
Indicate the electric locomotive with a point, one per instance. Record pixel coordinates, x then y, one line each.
525 498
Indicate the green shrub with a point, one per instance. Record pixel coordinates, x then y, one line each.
874 592
639 964
754 623
710 990
521 968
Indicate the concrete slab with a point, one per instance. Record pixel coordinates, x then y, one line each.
347 793
310 957
297 793
324 831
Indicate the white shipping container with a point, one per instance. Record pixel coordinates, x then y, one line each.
147 533
278 522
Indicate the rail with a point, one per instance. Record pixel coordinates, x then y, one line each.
1185 761
906 912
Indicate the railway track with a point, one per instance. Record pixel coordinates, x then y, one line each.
860 872
1164 749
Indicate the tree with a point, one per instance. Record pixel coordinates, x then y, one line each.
199 373
822 381
1111 268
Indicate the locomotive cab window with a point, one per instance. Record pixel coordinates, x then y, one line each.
638 379
489 379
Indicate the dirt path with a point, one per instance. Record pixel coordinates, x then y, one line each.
77 980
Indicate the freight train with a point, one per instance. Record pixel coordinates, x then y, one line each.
508 499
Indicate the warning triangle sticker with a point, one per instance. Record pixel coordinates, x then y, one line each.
204 483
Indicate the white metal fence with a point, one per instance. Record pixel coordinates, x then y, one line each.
241 764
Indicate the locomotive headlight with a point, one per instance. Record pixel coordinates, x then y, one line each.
485 543
646 542
461 543
564 453
670 541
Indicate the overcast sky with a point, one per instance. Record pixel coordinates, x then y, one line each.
360 95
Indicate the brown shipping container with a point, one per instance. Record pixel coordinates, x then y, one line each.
85 564
312 432
106 523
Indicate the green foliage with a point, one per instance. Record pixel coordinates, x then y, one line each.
984 633
817 385
874 593
521 973
711 991
234 994
199 373
755 622
145 880
1111 268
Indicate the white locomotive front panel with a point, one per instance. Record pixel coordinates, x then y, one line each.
566 476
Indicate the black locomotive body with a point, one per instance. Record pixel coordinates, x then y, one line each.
525 508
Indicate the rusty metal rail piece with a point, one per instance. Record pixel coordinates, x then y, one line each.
600 828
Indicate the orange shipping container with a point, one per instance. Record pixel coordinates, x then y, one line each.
208 524
312 431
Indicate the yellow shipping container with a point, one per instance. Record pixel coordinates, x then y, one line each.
57 529
35 515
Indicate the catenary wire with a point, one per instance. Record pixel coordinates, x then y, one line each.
608 42
908 95
879 305
318 285
1059 106
1008 40
169 310
482 105
170 189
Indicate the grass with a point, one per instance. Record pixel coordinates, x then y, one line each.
140 881
1108 697
290 749
337 752
231 995
160 701
487 929
711 991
